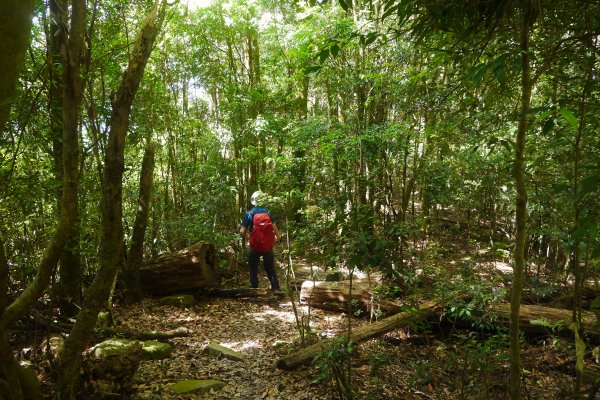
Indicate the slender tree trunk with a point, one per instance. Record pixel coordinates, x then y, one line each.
56 39
69 288
578 271
131 270
111 250
521 209
15 31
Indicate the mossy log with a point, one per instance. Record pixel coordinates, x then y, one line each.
424 312
541 320
187 270
335 296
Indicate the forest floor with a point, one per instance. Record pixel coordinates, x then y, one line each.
442 361
411 365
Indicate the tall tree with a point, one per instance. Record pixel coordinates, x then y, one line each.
69 293
13 381
131 268
111 251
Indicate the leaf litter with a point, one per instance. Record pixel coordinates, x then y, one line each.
265 331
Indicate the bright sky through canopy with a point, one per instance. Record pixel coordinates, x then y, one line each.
198 3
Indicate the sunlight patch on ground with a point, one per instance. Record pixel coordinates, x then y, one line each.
239 346
284 316
503 267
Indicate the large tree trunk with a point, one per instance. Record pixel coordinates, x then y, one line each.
111 250
335 296
521 207
306 355
131 269
70 160
15 24
187 270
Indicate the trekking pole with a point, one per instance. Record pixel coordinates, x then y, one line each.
290 272
238 244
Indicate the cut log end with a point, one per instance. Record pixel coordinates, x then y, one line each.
187 270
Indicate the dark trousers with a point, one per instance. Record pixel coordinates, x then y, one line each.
269 261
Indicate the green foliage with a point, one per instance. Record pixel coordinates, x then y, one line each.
468 298
473 364
334 364
377 358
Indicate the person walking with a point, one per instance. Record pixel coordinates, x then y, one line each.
260 223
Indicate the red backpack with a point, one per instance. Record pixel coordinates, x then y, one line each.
262 236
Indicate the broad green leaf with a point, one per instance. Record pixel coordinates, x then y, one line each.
588 185
595 303
312 68
544 115
389 11
548 126
371 37
323 54
335 49
500 74
570 118
345 4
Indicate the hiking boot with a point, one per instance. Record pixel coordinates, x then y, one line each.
278 293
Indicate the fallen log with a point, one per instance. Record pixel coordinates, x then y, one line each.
146 335
306 355
237 293
335 296
543 320
187 270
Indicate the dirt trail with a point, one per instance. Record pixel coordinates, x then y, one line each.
259 330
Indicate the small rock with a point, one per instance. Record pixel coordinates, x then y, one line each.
113 347
197 386
153 350
215 349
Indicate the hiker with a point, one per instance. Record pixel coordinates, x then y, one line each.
263 235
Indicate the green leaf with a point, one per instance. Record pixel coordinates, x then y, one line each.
570 118
345 5
371 37
312 68
335 49
500 74
588 185
595 303
390 10
548 126
477 73
323 55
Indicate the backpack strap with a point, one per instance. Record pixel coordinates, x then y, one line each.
251 220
